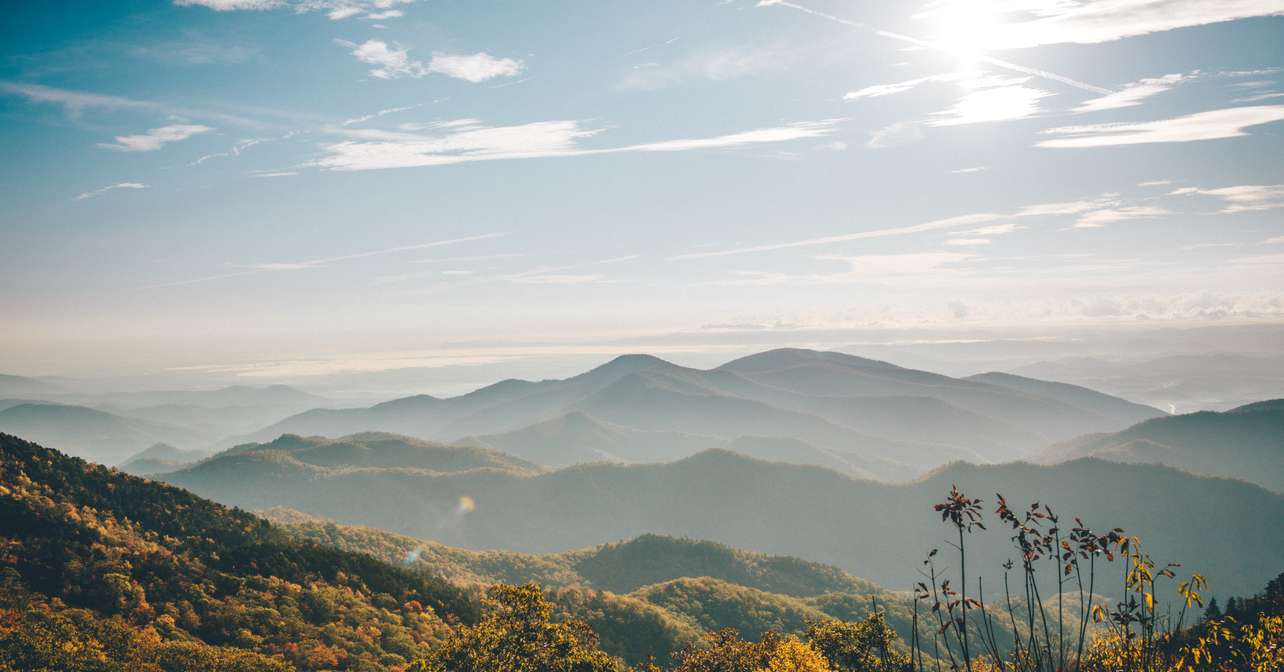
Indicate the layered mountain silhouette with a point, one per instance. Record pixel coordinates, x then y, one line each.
90 433
866 417
1245 443
160 458
871 529
11 385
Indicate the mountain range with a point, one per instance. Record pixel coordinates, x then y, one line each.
108 428
874 530
160 458
90 433
1246 443
864 417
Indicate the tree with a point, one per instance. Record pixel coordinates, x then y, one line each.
794 655
517 635
1213 612
858 646
724 651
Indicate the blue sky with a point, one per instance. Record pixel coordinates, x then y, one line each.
274 189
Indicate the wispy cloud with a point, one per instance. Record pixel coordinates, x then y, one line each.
392 62
280 266
1038 210
709 66
993 230
381 113
155 138
1098 219
1211 125
77 102
862 268
234 151
894 134
881 90
336 10
1132 94
119 185
1241 198
469 140
1059 21
967 242
969 170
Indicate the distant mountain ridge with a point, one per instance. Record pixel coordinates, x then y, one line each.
161 457
877 419
1246 443
86 432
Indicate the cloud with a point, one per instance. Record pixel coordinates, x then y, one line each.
336 10
194 49
1277 240
710 66
119 185
375 115
967 242
1273 261
1038 210
155 138
900 264
1241 198
231 5
234 151
279 266
561 279
880 90
477 67
969 170
1155 183
894 134
1132 94
468 140
389 62
1098 219
1062 21
393 63
993 230
1210 125
992 103
73 101
76 102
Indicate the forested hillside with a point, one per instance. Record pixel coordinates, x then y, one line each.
869 529
1246 443
173 579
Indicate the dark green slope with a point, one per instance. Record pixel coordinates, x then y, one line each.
873 530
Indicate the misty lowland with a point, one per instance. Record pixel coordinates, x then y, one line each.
678 336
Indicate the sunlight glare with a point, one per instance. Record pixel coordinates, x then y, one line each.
967 29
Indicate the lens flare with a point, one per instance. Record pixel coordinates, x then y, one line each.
466 504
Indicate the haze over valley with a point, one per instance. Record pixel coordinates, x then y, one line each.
716 336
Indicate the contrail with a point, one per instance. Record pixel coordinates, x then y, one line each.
998 63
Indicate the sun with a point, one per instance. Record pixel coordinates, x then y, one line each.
966 28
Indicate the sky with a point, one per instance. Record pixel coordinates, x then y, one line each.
278 190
